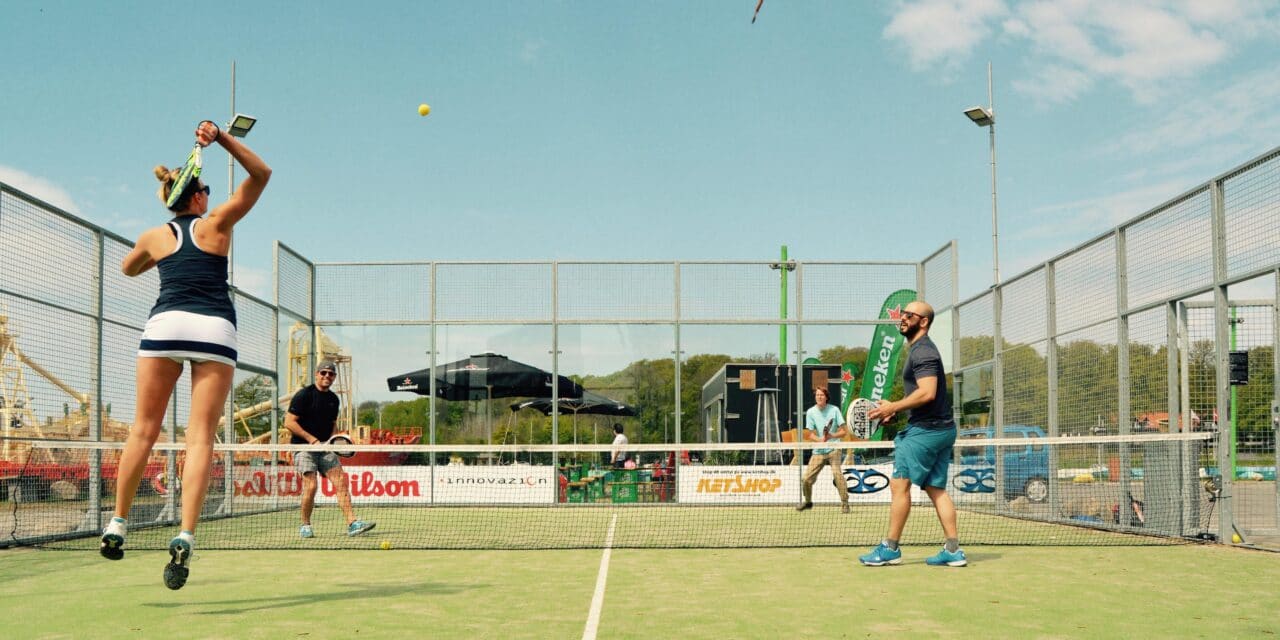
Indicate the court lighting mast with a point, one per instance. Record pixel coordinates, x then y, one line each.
986 117
239 127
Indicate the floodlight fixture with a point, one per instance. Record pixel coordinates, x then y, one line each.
241 124
981 116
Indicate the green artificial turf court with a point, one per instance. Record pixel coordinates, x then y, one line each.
1184 591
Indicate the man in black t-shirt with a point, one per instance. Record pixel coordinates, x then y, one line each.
923 450
311 417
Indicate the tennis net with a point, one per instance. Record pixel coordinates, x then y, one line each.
1107 490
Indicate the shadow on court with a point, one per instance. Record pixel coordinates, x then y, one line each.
356 594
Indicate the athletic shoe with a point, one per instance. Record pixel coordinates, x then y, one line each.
112 547
804 505
880 556
844 508
175 573
306 531
946 558
359 526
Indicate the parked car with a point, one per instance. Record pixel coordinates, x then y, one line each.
1026 469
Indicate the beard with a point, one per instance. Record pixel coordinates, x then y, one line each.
909 333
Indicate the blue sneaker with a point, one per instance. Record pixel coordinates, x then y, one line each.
306 531
359 526
176 572
946 558
880 556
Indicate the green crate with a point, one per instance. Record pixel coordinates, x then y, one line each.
577 493
595 490
624 492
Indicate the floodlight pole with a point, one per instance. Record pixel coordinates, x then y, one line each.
231 184
995 235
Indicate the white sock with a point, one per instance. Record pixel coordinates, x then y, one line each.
117 526
188 537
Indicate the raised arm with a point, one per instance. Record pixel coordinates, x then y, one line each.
227 214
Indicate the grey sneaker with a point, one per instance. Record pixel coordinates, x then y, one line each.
306 531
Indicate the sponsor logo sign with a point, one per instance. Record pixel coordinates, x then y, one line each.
762 484
506 484
381 484
503 484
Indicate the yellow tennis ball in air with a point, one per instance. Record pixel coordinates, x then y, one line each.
386 544
424 109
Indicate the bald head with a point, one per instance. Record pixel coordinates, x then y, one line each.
921 308
915 320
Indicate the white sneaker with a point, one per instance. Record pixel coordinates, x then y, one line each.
112 546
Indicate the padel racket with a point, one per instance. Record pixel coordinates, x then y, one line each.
190 171
859 424
341 442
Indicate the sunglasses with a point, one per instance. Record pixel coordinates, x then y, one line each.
204 190
911 314
327 374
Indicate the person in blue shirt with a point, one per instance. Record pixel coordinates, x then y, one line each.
823 422
923 450
193 321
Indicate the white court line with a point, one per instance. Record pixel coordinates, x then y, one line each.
597 600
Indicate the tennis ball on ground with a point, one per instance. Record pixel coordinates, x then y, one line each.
386 544
424 109
1235 538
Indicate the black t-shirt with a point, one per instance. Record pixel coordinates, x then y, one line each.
924 361
317 411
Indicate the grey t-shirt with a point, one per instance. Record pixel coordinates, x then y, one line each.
924 361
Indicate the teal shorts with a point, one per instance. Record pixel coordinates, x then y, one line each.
923 455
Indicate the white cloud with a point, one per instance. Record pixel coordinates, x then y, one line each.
1145 46
1244 109
41 188
942 31
1103 212
1055 84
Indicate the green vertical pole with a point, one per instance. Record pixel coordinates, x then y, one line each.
782 309
1234 321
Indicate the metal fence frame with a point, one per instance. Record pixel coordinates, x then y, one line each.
100 320
1122 310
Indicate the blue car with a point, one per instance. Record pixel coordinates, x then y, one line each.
1026 469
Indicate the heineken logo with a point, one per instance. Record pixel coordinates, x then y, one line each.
881 375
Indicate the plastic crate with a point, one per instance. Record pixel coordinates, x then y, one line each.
624 492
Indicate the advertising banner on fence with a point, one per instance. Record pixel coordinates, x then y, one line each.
762 484
381 484
504 484
865 483
508 484
780 484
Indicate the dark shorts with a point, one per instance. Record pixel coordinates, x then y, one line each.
924 455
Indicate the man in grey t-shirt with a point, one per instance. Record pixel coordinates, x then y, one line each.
923 450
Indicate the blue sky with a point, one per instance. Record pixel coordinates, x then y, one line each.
645 130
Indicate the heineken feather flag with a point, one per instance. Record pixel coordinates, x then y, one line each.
882 356
848 378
